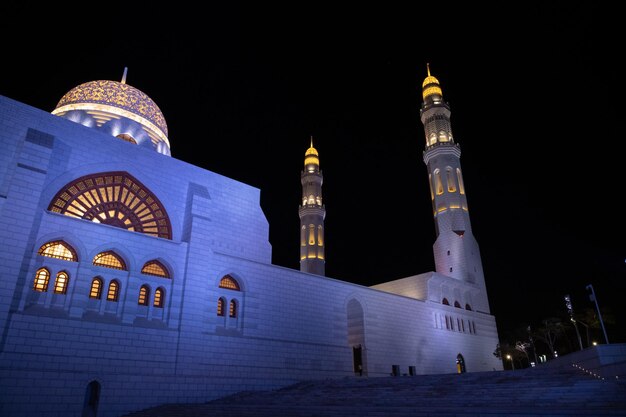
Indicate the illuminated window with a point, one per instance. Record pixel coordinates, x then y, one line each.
114 291
230 283
443 136
42 276
232 311
460 180
159 297
457 305
58 249
109 259
468 307
127 138
320 236
155 268
303 236
450 180
438 185
311 234
220 307
144 294
430 181
96 289
445 301
116 199
60 284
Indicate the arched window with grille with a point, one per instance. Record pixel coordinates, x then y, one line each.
114 291
232 310
42 277
156 269
159 297
144 295
58 249
220 306
109 259
230 283
61 282
96 289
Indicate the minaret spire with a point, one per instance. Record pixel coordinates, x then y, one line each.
124 75
455 249
312 213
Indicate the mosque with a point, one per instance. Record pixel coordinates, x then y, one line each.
130 278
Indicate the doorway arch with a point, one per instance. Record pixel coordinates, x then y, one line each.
460 364
92 398
356 336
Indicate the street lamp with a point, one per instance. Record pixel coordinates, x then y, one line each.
509 357
593 298
570 310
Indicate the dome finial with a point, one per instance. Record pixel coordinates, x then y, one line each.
124 75
311 141
428 68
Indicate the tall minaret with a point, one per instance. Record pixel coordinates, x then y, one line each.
455 250
312 214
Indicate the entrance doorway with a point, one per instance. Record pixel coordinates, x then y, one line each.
92 397
460 364
357 357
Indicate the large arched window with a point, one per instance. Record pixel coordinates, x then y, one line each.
61 282
58 249
96 288
109 259
155 268
230 283
116 199
114 291
42 277
159 297
144 295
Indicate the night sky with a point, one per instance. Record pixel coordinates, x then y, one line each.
535 109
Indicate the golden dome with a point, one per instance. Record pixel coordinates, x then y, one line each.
311 156
311 151
430 86
116 99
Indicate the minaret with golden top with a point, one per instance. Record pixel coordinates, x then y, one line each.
455 249
312 213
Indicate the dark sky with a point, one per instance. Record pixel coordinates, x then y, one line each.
535 109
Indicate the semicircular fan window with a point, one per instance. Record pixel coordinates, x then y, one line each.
116 199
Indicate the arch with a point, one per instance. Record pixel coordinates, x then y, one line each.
155 268
92 398
320 235
303 236
221 303
230 283
450 180
113 294
159 297
468 307
356 335
438 184
58 249
42 278
144 295
457 304
116 199
460 181
232 308
445 301
61 282
110 259
311 234
95 290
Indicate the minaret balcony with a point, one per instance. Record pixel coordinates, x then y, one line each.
442 148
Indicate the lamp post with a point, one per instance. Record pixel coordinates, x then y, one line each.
509 357
570 310
593 298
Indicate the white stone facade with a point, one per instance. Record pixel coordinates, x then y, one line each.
289 326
